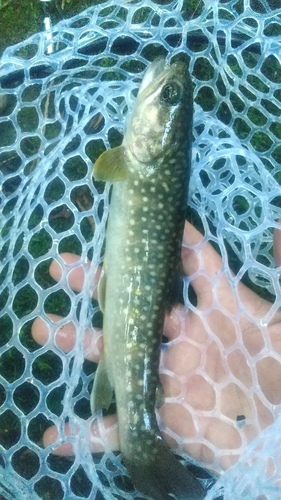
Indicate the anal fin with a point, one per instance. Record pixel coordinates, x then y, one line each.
102 392
101 289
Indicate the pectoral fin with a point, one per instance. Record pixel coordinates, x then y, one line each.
111 165
102 391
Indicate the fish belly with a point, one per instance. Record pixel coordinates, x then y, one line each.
142 251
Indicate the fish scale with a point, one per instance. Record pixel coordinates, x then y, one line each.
150 174
232 170
139 284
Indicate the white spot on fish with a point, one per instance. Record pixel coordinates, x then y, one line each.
136 418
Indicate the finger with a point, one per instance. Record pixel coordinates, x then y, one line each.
173 322
199 260
65 336
277 245
101 434
202 264
75 276
198 254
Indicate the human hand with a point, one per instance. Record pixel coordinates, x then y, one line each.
208 369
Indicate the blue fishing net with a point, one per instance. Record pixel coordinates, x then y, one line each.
65 95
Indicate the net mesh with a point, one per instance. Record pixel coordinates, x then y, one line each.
64 98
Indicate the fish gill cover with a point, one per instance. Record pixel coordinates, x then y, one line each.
64 98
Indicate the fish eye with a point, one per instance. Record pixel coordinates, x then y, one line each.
171 93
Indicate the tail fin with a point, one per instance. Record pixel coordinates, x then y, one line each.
162 475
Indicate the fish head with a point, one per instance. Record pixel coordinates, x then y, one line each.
161 114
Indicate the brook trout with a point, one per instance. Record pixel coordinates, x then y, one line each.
150 173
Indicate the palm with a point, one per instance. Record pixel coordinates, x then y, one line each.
205 371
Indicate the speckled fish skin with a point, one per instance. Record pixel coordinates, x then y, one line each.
143 254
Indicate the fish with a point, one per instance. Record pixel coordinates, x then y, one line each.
149 173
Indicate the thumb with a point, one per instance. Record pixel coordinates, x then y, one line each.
101 434
201 263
